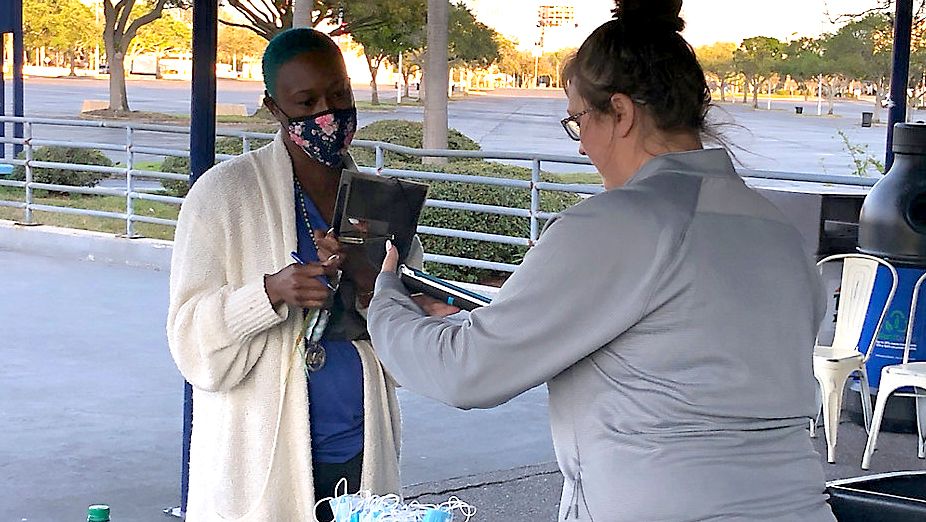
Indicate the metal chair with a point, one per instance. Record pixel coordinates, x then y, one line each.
896 376
833 365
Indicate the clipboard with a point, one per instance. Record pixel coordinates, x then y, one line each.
371 209
418 281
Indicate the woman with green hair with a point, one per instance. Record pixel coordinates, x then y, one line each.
289 397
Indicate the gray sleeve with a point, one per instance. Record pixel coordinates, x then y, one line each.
568 298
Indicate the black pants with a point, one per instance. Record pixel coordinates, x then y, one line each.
326 478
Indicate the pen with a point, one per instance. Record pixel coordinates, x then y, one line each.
295 256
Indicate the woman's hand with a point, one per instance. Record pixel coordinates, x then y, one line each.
391 261
428 304
351 260
329 249
434 307
301 285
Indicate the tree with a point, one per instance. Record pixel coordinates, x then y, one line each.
412 62
162 36
38 22
269 17
399 22
861 50
717 61
63 25
399 29
122 20
757 58
472 43
803 61
76 30
235 42
514 62
551 64
302 13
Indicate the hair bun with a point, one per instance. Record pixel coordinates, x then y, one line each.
650 14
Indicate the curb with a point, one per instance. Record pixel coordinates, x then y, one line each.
68 243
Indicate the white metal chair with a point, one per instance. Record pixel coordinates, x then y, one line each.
833 365
896 376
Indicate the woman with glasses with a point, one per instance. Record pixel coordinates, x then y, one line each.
266 317
672 317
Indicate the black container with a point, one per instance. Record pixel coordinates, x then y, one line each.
888 497
866 119
892 224
799 110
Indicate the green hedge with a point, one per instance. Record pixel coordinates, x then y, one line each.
409 134
64 176
178 165
481 222
405 133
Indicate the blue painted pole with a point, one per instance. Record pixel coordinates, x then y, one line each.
202 157
202 102
2 93
900 73
18 51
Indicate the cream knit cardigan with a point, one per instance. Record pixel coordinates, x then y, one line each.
250 458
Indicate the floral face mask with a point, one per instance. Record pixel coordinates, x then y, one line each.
325 136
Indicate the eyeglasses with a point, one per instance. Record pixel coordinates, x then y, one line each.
571 124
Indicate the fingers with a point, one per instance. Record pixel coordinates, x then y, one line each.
391 262
442 309
360 224
308 271
312 298
307 288
330 251
327 242
433 307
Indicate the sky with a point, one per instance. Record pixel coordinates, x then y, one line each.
708 21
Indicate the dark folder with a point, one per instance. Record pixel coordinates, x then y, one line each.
371 209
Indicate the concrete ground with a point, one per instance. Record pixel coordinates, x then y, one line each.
91 403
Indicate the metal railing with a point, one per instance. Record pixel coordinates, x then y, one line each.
131 149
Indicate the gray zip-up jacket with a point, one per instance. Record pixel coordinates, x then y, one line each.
673 320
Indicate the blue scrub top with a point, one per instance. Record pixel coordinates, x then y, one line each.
336 390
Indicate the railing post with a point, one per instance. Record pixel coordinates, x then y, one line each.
535 201
245 144
129 166
380 159
27 217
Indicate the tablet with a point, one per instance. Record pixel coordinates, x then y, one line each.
418 281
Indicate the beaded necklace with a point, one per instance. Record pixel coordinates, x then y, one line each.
316 320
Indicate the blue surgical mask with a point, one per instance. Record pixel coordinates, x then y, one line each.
325 136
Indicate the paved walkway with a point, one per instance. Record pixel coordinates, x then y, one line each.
91 404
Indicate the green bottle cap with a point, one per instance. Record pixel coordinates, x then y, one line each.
98 513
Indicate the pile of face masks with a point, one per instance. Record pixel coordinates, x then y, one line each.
366 507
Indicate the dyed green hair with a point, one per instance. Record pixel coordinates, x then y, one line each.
287 45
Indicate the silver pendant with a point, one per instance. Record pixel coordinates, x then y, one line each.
315 356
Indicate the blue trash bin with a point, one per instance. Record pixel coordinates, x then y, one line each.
890 342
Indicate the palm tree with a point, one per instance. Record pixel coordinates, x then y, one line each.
436 78
302 13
